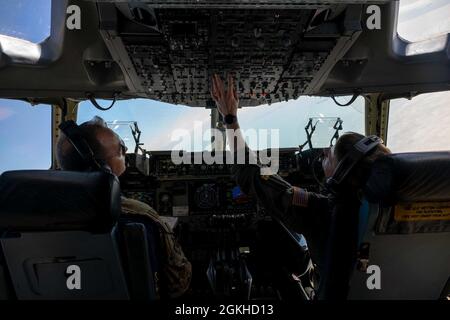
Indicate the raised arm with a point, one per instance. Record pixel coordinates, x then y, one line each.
227 102
302 211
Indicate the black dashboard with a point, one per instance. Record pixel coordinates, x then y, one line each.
196 188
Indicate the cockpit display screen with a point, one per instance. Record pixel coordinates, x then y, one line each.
238 196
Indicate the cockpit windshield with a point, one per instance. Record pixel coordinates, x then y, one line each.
162 125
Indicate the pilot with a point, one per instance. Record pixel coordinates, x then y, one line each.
305 212
110 148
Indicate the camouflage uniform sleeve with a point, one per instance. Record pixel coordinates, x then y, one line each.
177 268
275 195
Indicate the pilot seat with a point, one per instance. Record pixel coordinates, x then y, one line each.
404 232
59 239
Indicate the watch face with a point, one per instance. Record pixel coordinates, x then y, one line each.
229 119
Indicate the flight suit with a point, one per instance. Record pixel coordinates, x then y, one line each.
176 267
328 223
276 195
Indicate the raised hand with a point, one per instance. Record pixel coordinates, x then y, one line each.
227 101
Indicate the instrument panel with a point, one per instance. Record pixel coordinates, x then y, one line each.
201 197
196 188
219 227
194 164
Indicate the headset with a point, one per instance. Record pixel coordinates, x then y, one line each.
73 133
345 166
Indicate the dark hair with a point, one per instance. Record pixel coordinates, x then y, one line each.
360 172
66 155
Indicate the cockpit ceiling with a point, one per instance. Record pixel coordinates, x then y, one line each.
266 51
167 50
275 54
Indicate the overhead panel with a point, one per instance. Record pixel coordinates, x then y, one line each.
275 54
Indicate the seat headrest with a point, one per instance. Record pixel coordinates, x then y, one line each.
409 177
41 200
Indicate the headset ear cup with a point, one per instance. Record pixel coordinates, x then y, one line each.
72 131
347 164
101 162
102 165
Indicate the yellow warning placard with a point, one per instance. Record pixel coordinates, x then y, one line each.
422 211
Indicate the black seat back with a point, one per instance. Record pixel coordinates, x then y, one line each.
408 228
57 234
141 272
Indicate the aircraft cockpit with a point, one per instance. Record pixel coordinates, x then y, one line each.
154 78
223 231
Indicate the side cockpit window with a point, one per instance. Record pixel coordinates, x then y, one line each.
420 20
419 124
25 136
25 19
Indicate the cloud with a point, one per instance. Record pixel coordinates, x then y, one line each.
5 113
413 6
419 124
162 141
12 33
424 20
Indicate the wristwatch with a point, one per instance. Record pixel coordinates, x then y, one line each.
229 119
